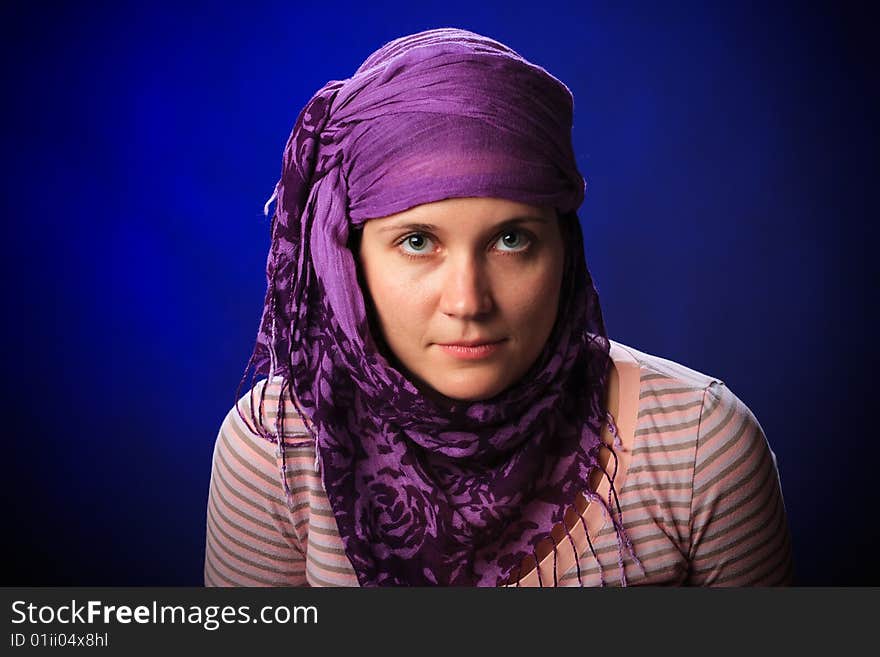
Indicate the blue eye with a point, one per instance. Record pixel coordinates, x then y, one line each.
519 241
417 242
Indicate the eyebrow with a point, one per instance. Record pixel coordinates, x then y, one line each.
433 228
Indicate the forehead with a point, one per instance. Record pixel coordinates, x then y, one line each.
462 213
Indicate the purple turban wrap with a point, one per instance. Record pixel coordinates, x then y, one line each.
427 491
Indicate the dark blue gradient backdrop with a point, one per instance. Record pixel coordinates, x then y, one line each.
728 154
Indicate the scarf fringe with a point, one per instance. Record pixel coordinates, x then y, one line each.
623 542
611 511
282 440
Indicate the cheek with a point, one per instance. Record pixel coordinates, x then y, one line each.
533 299
400 302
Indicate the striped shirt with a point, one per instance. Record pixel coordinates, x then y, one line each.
697 488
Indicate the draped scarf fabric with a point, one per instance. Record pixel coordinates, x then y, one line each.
427 490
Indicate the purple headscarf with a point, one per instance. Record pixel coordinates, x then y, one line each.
425 491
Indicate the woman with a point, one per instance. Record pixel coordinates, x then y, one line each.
442 404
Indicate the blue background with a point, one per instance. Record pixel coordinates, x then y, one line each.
728 153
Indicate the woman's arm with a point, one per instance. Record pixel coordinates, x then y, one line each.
251 539
739 531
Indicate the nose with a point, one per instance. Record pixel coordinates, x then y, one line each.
466 289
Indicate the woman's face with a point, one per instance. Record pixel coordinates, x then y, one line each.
465 271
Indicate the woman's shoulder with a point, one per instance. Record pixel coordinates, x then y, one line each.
669 387
664 371
680 406
702 449
679 403
254 535
251 427
246 478
267 409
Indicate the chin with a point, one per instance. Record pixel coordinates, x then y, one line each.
470 390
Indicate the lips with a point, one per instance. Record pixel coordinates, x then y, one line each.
471 350
470 343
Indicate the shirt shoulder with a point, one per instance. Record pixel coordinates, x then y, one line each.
267 410
739 528
252 534
657 368
702 451
670 403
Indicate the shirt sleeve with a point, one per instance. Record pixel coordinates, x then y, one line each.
739 530
250 538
